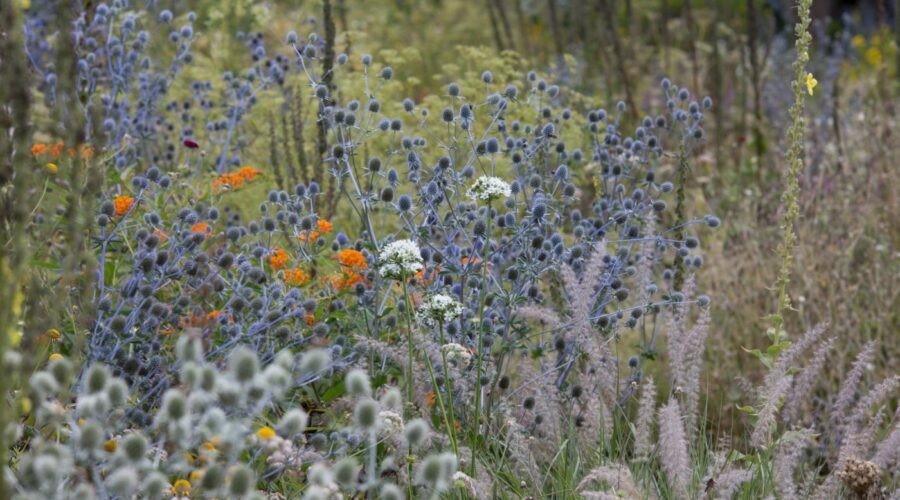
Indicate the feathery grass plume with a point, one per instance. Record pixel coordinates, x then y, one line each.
537 384
598 376
805 382
857 437
776 384
518 447
729 482
686 347
724 477
615 476
887 453
788 454
673 448
850 384
692 346
643 433
790 196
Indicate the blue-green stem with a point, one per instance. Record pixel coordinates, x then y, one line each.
480 327
451 428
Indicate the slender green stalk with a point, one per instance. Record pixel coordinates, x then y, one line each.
479 326
452 427
430 367
409 341
795 167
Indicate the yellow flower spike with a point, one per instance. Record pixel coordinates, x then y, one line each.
811 83
110 445
55 356
54 334
265 433
52 168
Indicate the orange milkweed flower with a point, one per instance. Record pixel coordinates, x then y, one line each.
353 259
123 204
248 173
200 227
38 149
308 235
324 226
278 259
310 319
296 277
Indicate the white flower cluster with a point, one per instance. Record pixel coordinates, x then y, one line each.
401 257
439 308
391 421
456 353
489 188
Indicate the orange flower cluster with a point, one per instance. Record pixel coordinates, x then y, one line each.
353 259
345 279
201 227
278 259
296 277
324 227
200 320
426 278
54 150
234 180
123 204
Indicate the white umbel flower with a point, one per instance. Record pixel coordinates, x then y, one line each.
399 258
438 308
392 422
489 188
456 353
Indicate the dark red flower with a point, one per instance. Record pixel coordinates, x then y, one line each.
191 144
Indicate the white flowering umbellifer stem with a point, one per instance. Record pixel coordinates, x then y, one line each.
409 340
451 427
437 394
480 336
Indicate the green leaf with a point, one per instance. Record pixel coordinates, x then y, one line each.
749 410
